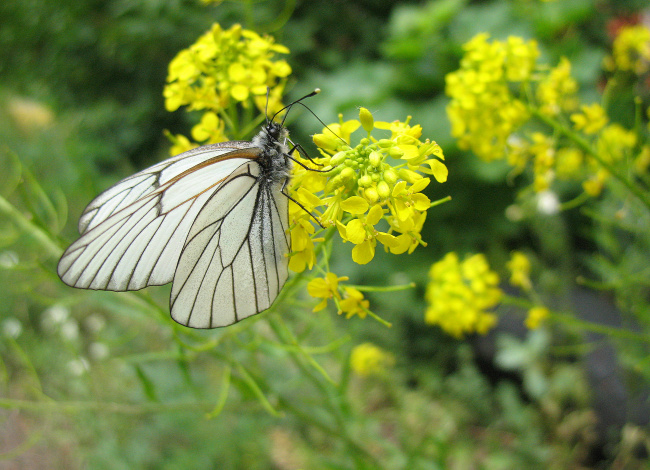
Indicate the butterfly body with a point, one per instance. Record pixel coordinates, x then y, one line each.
213 221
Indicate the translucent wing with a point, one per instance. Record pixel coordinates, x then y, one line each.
233 264
132 234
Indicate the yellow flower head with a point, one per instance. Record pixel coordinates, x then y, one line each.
483 110
224 66
378 181
367 359
348 300
326 288
631 50
459 295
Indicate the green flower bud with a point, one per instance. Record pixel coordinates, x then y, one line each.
347 174
371 195
396 152
390 176
375 158
365 181
385 143
383 189
367 122
338 158
364 142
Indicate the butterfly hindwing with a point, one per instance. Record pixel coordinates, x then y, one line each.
234 262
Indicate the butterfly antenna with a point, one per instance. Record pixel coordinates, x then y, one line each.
288 107
319 120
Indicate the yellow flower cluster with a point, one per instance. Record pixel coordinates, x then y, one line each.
361 185
459 295
350 301
367 359
483 110
631 50
614 144
499 87
556 90
224 68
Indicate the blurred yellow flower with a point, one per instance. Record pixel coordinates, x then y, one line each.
631 50
326 288
556 91
536 316
483 110
591 120
348 300
353 303
459 295
226 65
367 359
519 267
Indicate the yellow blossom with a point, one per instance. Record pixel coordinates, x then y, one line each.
459 295
367 359
556 91
519 267
353 303
377 179
224 65
591 120
483 110
210 130
631 50
180 144
535 317
326 288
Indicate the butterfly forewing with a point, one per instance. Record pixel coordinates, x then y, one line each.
137 186
130 242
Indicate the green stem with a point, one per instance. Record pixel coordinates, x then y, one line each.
569 318
410 285
440 201
103 407
31 229
575 202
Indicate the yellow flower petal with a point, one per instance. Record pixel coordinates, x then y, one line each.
388 240
355 231
239 92
355 205
420 185
363 253
374 215
399 188
421 202
438 170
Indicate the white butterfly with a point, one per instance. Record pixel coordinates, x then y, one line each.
213 220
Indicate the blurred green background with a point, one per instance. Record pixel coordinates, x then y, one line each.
102 380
